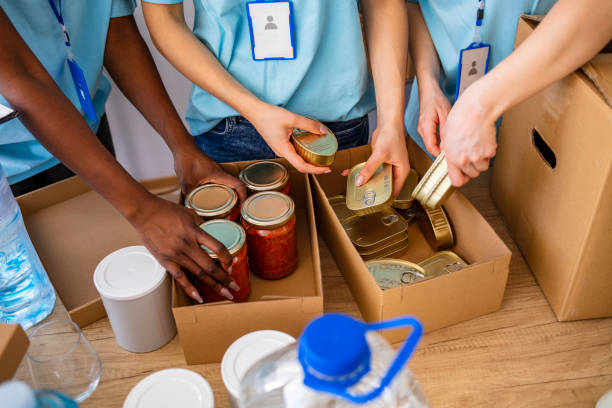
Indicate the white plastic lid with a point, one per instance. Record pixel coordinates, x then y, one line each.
246 351
128 273
174 387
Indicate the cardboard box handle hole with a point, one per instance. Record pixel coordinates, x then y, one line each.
544 149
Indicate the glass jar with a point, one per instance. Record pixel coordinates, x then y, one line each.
233 237
214 201
265 175
269 222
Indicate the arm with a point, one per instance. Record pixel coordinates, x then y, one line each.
193 59
386 29
168 230
571 34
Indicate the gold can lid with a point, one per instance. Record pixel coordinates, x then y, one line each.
392 273
381 249
441 263
390 253
265 175
269 209
373 196
376 230
435 187
316 149
338 204
212 200
436 228
404 199
227 232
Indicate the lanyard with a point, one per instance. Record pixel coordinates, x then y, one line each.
60 19
479 16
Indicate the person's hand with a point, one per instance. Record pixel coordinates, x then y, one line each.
172 234
195 168
433 110
276 124
468 137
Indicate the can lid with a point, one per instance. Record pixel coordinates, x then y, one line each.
230 234
435 186
391 273
442 262
372 196
246 351
317 149
264 175
404 199
212 200
172 387
128 273
269 209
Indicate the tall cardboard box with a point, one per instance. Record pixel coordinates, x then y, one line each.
552 182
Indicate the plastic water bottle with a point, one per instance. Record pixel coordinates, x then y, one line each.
337 362
16 394
26 294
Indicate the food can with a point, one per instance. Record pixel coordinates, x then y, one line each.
435 187
409 214
437 229
214 201
404 200
373 231
338 204
388 251
441 263
392 273
317 149
265 175
373 196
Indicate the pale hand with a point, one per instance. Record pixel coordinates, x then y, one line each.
433 111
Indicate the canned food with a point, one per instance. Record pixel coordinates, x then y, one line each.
214 201
265 175
338 204
435 187
233 237
392 273
389 251
409 214
269 221
437 229
404 199
319 150
373 196
441 263
373 231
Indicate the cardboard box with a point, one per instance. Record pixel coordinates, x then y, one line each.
13 346
205 331
552 182
437 302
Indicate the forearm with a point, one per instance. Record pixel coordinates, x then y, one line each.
422 50
386 28
571 34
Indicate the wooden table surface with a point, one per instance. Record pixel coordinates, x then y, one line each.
519 356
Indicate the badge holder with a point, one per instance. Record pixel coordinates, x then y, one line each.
271 30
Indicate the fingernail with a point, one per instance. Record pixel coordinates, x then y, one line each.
323 129
229 270
359 181
197 296
234 286
227 293
327 171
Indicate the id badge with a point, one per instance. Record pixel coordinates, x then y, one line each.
7 113
82 91
473 65
271 30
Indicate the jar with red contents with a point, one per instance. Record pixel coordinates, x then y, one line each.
233 237
265 175
269 222
214 201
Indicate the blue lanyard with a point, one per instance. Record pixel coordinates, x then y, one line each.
60 20
479 17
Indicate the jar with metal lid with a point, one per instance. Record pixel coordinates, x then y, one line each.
269 221
233 237
214 201
265 175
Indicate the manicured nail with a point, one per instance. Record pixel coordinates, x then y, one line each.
327 171
234 286
359 181
227 293
323 129
197 296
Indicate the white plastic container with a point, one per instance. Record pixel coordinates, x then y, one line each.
135 290
246 351
174 387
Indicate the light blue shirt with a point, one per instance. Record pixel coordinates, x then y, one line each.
451 25
329 79
21 156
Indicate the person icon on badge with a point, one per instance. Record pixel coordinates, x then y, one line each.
271 25
473 71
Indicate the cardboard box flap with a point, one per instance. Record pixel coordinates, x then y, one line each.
599 71
13 346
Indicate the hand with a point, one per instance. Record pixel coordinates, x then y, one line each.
468 137
195 168
172 234
388 146
434 108
276 124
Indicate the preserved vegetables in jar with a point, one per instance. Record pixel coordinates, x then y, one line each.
265 175
214 201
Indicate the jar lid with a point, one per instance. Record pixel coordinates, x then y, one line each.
269 209
317 149
212 200
128 273
174 387
246 351
404 199
264 176
373 196
392 273
230 234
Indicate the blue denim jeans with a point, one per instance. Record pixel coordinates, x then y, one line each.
235 139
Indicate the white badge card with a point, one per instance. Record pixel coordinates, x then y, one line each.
271 29
473 65
7 113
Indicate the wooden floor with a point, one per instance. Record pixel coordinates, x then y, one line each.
519 356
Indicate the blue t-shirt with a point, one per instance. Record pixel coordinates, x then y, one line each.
451 26
21 156
329 79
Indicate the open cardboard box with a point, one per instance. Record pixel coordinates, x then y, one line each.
13 347
437 302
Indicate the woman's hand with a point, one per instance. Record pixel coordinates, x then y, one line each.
433 111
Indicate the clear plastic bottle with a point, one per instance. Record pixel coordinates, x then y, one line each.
338 362
26 294
16 394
